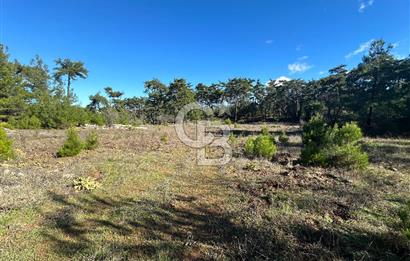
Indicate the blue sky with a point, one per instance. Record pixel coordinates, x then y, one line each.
124 42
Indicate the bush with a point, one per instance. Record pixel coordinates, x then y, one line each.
25 122
332 147
348 133
249 147
261 146
283 138
97 119
6 146
72 146
228 121
91 141
348 155
404 216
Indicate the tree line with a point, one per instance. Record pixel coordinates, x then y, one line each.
375 93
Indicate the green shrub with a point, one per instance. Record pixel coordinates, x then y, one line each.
332 147
97 119
6 125
404 215
91 141
72 146
261 146
6 146
265 146
349 155
25 122
249 147
348 133
283 138
85 184
228 121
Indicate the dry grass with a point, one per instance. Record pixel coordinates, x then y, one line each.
156 203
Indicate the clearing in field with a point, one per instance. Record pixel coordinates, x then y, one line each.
151 201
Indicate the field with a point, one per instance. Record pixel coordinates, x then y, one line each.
154 202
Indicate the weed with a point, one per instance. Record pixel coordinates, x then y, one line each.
283 138
85 184
165 139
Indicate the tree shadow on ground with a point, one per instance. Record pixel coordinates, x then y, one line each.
98 228
128 228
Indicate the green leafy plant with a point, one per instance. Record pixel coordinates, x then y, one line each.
165 139
91 141
283 138
332 146
261 146
6 146
72 146
85 184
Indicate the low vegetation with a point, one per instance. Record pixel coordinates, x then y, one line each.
263 146
85 184
283 138
72 146
136 199
6 146
404 215
326 146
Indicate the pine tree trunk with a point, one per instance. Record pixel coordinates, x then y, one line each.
68 86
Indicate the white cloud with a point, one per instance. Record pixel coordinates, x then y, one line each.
269 41
322 72
362 48
279 81
395 45
299 47
303 58
364 4
298 67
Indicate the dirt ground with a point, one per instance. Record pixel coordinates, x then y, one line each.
155 202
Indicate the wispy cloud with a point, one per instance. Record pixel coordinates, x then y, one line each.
299 67
364 4
362 48
322 72
303 58
299 47
269 41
